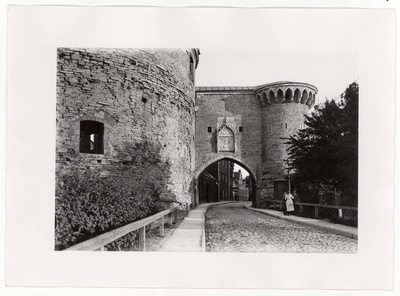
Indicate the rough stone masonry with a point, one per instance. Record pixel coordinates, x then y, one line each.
124 96
259 118
107 98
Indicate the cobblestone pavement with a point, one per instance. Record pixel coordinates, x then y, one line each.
232 228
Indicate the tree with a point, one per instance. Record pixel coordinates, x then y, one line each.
326 151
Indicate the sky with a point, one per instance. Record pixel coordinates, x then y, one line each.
319 47
330 71
255 47
237 167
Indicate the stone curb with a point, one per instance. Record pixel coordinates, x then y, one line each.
351 232
201 238
203 232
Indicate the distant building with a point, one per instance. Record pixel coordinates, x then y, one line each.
225 172
240 188
249 185
216 182
209 185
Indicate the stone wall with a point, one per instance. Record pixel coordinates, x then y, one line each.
241 109
138 95
261 118
279 122
150 95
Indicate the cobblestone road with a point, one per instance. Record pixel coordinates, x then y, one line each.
232 228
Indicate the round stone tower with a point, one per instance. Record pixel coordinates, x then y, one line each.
284 105
110 99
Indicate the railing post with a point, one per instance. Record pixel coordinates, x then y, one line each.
301 209
187 208
170 218
316 212
142 238
162 226
176 215
340 213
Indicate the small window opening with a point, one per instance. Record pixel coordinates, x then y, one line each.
91 137
144 100
209 129
240 129
286 125
269 128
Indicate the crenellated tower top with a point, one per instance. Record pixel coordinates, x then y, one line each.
286 92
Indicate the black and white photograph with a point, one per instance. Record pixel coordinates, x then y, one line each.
200 149
148 161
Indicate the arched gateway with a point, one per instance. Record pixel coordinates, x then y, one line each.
214 163
246 125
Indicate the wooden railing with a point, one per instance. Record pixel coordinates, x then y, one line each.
97 243
317 206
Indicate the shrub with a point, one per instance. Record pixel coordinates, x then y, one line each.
88 204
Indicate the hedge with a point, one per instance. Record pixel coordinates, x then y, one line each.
88 204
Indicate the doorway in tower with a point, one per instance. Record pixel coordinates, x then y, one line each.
225 180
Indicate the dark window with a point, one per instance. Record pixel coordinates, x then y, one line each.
285 125
91 137
240 129
209 129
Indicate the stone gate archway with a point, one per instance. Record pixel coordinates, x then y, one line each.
201 169
249 125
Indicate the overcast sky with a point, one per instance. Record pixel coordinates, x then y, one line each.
330 72
255 47
237 167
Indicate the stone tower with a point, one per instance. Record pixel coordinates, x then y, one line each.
110 98
284 105
252 122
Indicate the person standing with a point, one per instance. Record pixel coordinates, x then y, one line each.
289 203
284 204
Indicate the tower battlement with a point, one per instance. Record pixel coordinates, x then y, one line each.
286 92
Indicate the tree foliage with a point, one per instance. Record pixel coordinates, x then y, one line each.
89 203
326 151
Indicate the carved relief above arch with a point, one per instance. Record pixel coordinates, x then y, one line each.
226 140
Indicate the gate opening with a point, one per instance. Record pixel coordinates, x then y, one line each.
225 180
